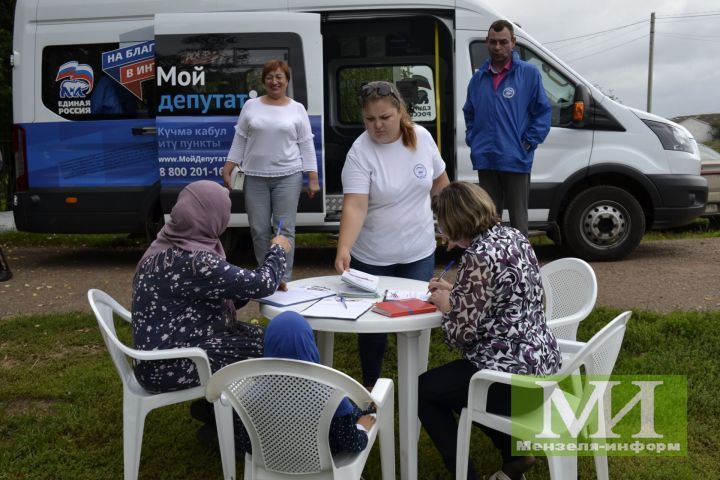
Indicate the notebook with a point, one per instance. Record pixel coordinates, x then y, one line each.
398 308
361 280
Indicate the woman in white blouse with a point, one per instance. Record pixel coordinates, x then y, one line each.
273 145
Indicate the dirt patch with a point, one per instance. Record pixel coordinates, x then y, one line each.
661 276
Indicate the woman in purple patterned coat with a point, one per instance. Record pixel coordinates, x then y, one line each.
493 314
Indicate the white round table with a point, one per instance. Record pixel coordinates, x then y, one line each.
413 343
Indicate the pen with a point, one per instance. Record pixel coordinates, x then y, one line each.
342 299
447 268
280 225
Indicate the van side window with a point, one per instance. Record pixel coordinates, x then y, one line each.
215 73
415 83
90 82
559 90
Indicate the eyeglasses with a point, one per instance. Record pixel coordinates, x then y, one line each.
381 88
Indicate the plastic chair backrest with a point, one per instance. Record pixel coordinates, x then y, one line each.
286 407
103 305
570 293
600 353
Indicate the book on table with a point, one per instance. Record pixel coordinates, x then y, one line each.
361 280
348 291
398 308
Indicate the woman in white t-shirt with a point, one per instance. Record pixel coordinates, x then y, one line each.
387 226
273 145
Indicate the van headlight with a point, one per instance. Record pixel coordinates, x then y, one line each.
672 137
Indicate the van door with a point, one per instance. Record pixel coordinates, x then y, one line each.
208 65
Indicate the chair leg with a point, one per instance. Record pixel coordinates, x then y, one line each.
562 467
601 467
386 437
133 426
248 473
463 446
226 438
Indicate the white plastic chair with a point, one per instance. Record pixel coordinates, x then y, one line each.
570 293
597 356
287 406
138 402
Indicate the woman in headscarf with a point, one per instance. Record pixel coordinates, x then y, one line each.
185 292
289 336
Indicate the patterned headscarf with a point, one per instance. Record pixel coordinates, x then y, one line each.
289 335
197 220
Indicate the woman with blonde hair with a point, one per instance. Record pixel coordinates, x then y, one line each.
387 228
493 314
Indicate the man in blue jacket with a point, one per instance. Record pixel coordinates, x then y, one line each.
507 115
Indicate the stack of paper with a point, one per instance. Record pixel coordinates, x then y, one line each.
296 295
361 280
339 307
348 291
405 294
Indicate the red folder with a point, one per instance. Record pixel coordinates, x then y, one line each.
398 308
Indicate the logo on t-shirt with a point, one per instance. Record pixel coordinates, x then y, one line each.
420 171
509 92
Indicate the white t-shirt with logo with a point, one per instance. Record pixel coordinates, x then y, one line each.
399 224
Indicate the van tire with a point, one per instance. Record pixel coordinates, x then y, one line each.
603 223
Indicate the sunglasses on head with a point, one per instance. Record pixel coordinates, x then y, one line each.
382 89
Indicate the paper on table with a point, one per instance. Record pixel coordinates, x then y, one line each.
333 307
348 291
296 295
405 294
359 279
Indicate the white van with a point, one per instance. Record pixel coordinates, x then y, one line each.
119 104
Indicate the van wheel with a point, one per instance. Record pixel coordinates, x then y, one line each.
603 223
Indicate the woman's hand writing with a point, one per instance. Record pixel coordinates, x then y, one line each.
441 299
439 284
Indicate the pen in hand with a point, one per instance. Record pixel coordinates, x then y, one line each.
445 270
280 225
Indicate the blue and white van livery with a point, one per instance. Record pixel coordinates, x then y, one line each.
118 105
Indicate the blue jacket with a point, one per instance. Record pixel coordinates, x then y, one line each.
499 122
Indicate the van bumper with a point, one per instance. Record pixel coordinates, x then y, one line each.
682 199
112 210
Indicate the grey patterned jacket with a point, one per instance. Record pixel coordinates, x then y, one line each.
497 317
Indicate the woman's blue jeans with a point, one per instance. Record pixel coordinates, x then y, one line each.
371 346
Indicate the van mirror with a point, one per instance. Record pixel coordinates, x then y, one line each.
581 102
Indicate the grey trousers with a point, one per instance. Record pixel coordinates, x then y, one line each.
508 190
267 200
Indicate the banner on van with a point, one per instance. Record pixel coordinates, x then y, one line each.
130 66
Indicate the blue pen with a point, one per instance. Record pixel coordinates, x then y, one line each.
342 299
280 225
447 268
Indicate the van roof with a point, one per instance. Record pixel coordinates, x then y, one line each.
74 10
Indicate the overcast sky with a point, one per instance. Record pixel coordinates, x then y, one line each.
686 73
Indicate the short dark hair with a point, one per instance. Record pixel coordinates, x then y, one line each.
464 211
499 25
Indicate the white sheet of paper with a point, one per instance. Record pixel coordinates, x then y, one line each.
296 295
333 307
405 294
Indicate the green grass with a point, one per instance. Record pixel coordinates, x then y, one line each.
61 402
